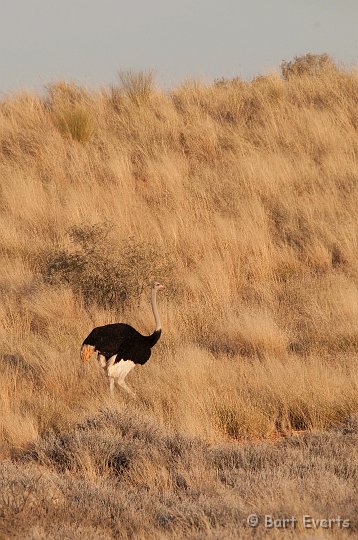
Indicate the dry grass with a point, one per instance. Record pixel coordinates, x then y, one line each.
242 197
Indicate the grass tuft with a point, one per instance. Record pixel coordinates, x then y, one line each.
76 123
137 86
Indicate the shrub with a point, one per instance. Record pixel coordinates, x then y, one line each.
311 65
101 272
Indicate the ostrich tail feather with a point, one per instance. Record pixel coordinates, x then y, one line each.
86 352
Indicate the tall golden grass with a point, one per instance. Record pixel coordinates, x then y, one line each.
241 196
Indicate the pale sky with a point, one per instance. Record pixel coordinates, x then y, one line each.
90 41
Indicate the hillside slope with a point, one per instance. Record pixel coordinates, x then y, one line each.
242 197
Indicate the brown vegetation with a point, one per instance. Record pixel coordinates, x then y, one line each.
242 198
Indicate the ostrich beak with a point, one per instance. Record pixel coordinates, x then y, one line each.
161 287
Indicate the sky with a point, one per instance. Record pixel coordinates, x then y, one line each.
90 41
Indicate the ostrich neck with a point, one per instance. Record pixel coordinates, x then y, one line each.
158 324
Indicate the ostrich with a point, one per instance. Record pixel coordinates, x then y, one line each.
120 346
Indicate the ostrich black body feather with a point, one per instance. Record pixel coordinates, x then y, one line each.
124 341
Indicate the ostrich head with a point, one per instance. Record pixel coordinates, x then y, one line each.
157 286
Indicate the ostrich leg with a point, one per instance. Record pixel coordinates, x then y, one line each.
121 383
